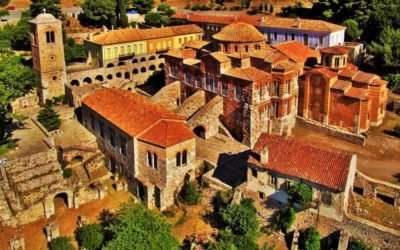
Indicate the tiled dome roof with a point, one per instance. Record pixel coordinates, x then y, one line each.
240 33
45 17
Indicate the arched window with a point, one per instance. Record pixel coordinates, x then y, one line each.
236 48
246 48
178 159
184 157
50 37
143 70
155 161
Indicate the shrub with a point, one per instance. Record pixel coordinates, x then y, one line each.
61 243
300 193
67 173
49 118
168 214
355 244
189 194
90 236
240 242
283 220
226 196
310 239
397 130
241 219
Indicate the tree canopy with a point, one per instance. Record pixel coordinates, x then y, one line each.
142 6
310 239
353 31
73 51
61 243
136 227
90 236
49 118
100 12
300 193
51 6
386 49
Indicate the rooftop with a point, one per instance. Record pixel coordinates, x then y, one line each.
239 32
132 35
254 19
249 74
334 50
315 164
136 116
296 51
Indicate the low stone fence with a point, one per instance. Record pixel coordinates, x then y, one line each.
331 131
373 188
49 138
214 182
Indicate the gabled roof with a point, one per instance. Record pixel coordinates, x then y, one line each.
334 50
300 24
325 71
342 85
199 18
136 116
293 158
196 44
132 35
251 74
269 55
296 51
357 93
358 76
182 53
219 56
239 32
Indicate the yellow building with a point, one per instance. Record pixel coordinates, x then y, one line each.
117 45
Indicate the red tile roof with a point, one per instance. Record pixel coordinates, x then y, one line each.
251 74
341 85
296 51
325 71
182 53
357 93
167 133
335 50
132 35
134 114
378 82
239 32
198 18
308 162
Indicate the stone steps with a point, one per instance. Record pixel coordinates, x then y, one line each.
6 216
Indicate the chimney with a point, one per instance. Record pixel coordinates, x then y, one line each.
262 19
298 23
264 155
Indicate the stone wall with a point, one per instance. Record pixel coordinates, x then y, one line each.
331 131
192 104
169 96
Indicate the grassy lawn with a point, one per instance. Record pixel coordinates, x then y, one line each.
6 146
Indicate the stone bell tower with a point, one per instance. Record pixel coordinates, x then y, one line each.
48 55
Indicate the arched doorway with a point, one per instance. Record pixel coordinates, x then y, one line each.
77 159
200 131
60 202
110 65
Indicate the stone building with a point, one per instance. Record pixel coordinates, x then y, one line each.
119 58
330 174
336 93
147 144
258 83
313 33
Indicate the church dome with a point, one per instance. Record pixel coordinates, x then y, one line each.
239 32
45 18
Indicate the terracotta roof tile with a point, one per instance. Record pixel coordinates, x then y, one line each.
182 53
296 51
132 35
198 18
348 73
167 133
134 114
341 85
335 50
219 56
308 162
239 32
197 44
301 24
284 66
357 93
269 55
325 71
363 77
378 82
249 74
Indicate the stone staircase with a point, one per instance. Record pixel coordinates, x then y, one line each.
6 216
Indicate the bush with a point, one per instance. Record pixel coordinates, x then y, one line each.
240 242
90 236
168 214
241 219
300 193
355 244
61 243
226 196
189 194
310 239
49 118
67 173
283 220
397 130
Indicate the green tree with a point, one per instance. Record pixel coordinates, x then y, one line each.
74 52
16 80
100 12
241 219
300 193
310 239
4 3
51 6
61 243
153 19
142 6
355 244
90 236
189 194
397 130
122 18
353 31
49 118
240 242
165 10
271 9
261 7
386 50
136 227
393 81
4 12
283 220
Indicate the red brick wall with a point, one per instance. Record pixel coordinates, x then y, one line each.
343 109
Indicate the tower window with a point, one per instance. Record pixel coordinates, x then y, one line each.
50 37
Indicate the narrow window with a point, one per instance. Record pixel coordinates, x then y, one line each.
101 129
122 145
112 138
275 35
254 172
293 36
184 157
149 159
155 164
178 159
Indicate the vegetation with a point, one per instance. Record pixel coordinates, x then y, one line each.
310 239
353 30
4 3
189 194
100 12
120 10
52 6
74 52
241 219
240 242
300 193
16 80
90 236
245 3
136 227
142 6
355 244
397 130
67 173
386 49
393 81
61 243
283 220
49 118
16 36
226 196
